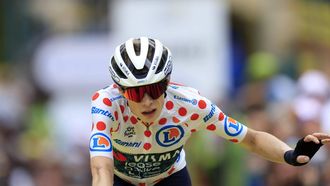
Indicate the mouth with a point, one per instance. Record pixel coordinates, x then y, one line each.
146 113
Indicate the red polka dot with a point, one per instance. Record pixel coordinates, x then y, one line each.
147 146
133 120
175 120
125 118
171 170
100 125
193 130
234 140
122 108
107 102
147 133
120 157
221 116
169 105
194 117
211 127
182 111
115 86
202 104
95 96
162 121
116 115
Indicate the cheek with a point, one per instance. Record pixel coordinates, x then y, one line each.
160 101
160 104
134 106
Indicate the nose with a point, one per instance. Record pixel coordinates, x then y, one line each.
147 100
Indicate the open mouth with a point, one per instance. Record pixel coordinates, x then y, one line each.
149 112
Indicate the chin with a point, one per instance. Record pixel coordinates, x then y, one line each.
150 118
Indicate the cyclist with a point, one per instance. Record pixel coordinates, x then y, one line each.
142 121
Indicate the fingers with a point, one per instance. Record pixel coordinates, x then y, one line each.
302 159
321 135
325 141
310 138
316 137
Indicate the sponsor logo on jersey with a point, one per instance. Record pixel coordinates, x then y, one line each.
127 144
106 113
174 86
144 165
129 132
169 135
210 114
232 127
116 98
192 101
100 142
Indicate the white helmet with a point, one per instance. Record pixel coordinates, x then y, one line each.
140 61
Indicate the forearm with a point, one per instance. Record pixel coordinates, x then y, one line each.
266 145
102 171
102 177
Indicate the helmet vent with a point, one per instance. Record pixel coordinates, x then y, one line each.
139 74
151 50
162 61
117 69
137 46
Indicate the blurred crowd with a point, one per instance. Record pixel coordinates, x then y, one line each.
280 68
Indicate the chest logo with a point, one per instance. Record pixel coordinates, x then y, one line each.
169 135
129 132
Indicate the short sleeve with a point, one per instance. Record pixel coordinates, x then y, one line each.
103 121
214 120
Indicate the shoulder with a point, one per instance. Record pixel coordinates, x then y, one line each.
180 88
108 96
187 97
184 94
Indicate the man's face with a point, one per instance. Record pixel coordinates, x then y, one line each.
148 110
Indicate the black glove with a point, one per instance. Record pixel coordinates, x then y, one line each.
302 148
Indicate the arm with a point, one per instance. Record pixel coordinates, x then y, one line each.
273 149
102 171
265 145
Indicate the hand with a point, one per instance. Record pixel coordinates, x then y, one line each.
316 138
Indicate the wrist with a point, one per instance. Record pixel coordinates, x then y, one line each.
290 157
302 148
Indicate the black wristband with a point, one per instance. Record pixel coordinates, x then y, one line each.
303 148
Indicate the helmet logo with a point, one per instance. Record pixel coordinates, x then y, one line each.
155 63
124 68
168 68
113 75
